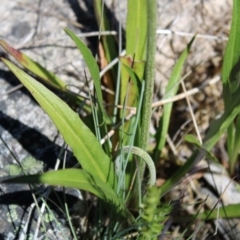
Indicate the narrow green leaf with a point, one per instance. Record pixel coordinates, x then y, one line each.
34 67
233 153
231 133
171 91
136 39
220 126
41 72
231 80
136 29
231 62
217 128
230 211
130 71
92 67
134 75
182 171
193 140
110 48
84 144
75 178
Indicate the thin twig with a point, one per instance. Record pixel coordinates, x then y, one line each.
186 34
191 113
179 96
107 33
13 89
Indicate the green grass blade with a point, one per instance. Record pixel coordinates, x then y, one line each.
74 178
230 211
130 87
34 67
231 80
182 171
41 72
133 73
83 143
171 91
109 44
191 139
136 29
231 134
231 62
92 67
235 142
217 128
136 37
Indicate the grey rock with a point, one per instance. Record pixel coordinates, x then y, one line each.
21 30
27 132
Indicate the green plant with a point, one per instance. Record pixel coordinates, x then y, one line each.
152 215
230 80
228 122
97 174
110 175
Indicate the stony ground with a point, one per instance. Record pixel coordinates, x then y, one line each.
35 27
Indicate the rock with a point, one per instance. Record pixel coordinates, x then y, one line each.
26 130
21 29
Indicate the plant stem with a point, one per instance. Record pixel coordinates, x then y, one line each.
149 76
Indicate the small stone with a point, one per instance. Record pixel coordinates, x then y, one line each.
21 30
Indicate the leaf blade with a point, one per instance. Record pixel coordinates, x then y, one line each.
92 67
76 134
136 29
74 178
227 212
38 70
231 62
33 66
171 91
216 129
